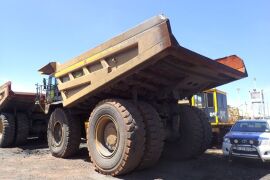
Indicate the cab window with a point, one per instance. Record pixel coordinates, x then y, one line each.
52 93
199 100
222 101
210 100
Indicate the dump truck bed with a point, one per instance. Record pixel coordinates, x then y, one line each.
11 101
147 59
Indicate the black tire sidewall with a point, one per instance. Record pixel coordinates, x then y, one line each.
57 149
8 133
191 133
103 162
3 131
186 127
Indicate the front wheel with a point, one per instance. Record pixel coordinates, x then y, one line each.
115 137
64 134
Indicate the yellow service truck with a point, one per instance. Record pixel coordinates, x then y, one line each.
126 92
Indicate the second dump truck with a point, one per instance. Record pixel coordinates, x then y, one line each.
122 96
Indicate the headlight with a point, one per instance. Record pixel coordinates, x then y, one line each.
264 142
226 140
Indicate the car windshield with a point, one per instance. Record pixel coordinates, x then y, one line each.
251 127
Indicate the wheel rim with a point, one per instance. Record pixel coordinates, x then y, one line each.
1 128
57 133
106 136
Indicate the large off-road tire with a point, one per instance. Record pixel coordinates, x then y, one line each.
191 136
155 134
191 133
7 129
207 130
22 129
115 137
64 134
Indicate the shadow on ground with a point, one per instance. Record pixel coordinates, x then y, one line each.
40 146
82 154
35 143
211 165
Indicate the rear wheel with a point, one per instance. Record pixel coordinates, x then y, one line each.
191 133
191 136
7 130
22 129
64 134
207 130
115 137
154 135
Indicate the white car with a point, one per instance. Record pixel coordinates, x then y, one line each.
248 139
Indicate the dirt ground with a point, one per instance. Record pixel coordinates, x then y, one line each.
34 161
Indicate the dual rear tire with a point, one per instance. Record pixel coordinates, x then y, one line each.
128 122
13 130
195 134
123 137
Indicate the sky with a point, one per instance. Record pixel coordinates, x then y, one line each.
35 32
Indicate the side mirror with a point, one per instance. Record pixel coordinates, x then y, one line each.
44 83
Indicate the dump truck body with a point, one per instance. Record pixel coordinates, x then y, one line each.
11 101
147 58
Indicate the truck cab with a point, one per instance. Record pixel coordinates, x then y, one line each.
49 87
52 93
214 103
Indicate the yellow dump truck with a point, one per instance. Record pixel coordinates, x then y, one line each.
126 92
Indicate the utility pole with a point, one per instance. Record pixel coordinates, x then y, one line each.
263 104
267 109
246 109
255 83
238 99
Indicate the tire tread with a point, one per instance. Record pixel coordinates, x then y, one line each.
134 149
154 135
8 130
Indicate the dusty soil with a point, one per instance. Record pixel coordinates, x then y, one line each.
34 161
